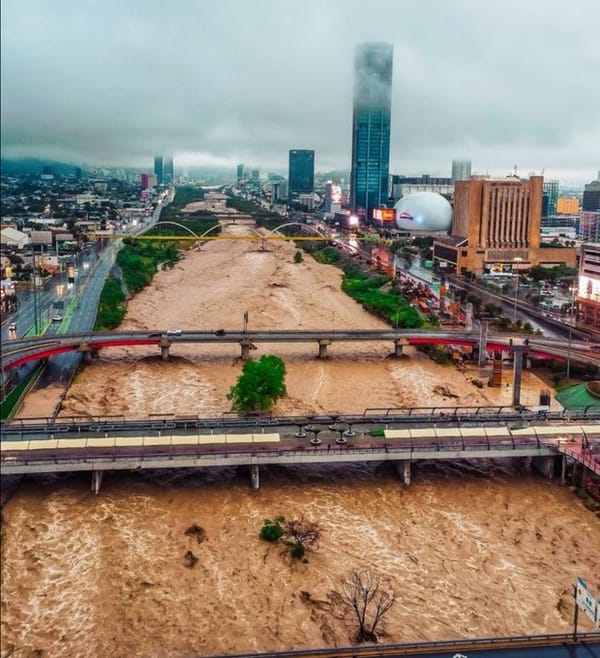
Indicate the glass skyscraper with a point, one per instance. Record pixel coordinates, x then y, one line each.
158 168
371 127
301 173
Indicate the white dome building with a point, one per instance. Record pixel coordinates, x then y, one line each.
423 212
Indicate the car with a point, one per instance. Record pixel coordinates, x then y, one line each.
57 318
173 332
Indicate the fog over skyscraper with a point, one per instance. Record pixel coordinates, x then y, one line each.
373 65
461 170
158 168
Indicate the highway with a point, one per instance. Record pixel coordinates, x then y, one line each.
24 350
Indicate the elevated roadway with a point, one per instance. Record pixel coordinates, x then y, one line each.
23 350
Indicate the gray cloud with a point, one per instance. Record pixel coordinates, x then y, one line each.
501 81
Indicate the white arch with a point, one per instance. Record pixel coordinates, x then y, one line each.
185 228
305 226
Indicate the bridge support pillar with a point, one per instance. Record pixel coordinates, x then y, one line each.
255 476
246 345
164 345
404 471
88 352
517 374
545 466
399 344
323 343
96 481
563 470
483 339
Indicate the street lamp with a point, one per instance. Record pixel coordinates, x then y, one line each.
573 291
516 261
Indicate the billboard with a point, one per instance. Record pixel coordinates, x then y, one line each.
384 215
589 288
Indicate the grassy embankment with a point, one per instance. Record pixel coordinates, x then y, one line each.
139 260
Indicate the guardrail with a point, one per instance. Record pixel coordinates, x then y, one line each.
412 648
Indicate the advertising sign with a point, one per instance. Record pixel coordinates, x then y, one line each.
586 602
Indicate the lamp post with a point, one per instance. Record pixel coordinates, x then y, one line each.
573 291
516 261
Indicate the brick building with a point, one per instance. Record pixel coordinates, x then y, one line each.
497 227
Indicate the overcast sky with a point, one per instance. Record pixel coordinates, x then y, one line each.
113 82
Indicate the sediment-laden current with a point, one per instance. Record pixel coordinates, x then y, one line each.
471 549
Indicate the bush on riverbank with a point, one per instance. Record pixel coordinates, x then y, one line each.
139 261
112 306
388 304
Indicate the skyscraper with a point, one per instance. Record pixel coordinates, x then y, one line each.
461 170
550 197
168 171
158 168
371 127
301 173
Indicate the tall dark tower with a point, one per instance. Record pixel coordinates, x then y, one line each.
168 170
371 127
158 168
301 173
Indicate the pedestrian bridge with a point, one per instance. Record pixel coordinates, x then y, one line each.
333 444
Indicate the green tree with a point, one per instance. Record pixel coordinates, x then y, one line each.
272 529
260 385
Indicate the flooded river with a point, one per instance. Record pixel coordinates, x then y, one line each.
472 549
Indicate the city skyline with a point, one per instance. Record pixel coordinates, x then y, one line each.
497 83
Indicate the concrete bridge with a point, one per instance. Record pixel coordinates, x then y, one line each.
131 449
22 351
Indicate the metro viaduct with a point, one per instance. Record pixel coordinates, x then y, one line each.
21 351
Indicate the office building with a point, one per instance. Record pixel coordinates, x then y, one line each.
403 185
148 181
371 115
168 173
589 226
550 197
333 197
461 170
301 175
158 168
567 205
591 196
496 228
588 289
240 172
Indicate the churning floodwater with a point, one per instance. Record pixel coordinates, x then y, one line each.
471 549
